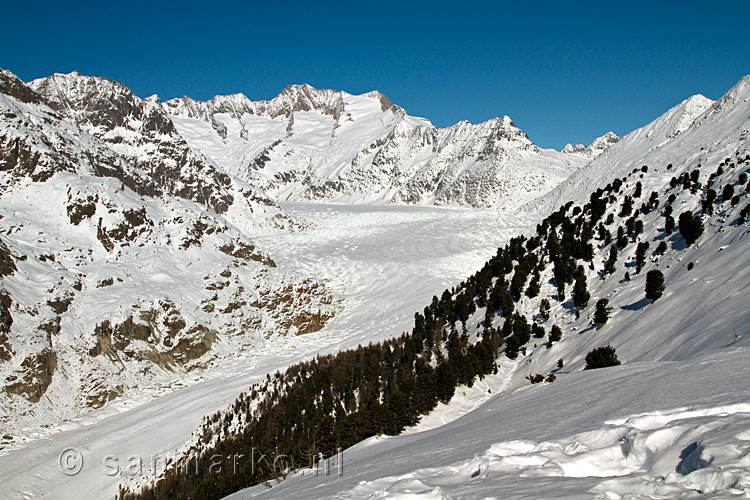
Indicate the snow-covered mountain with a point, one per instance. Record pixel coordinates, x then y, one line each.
127 256
310 144
650 142
132 252
670 422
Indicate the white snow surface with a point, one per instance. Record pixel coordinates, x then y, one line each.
99 240
672 422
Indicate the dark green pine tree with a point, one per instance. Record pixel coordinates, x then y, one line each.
640 255
691 227
727 193
544 309
709 201
580 293
654 284
534 286
601 357
622 239
627 207
602 312
555 334
609 266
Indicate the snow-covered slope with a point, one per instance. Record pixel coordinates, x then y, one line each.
672 421
310 144
642 431
127 257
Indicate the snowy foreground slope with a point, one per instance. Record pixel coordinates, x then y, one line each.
311 144
644 430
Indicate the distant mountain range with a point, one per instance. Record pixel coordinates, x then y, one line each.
312 145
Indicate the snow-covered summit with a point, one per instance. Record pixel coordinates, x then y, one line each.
596 147
658 139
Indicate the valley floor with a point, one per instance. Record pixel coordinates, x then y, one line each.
382 263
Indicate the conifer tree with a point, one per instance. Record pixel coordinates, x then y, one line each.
709 201
555 334
534 286
580 293
544 309
601 357
691 227
727 193
609 266
602 312
640 255
654 284
622 239
627 207
537 331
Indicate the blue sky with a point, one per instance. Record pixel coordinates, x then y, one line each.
564 72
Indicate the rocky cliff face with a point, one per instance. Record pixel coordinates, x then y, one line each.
126 256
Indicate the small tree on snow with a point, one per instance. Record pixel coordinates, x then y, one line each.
544 309
580 293
727 193
555 334
601 315
654 284
601 357
691 227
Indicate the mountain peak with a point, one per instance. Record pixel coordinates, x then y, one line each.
596 147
